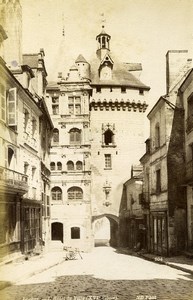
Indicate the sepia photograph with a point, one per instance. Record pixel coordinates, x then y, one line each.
96 149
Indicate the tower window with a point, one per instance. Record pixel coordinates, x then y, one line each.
56 193
56 135
75 193
74 105
52 166
123 89
98 89
79 165
70 165
108 161
141 91
59 166
75 136
108 137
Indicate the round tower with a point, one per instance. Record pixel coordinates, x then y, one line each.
83 67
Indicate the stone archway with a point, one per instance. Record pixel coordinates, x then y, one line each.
107 226
57 232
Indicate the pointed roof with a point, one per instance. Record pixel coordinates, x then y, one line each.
103 33
80 58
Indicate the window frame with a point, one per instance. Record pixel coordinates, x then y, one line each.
75 136
57 193
75 193
14 101
108 161
3 102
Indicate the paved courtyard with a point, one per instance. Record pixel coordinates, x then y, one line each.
104 274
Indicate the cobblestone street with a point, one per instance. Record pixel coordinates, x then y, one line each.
106 274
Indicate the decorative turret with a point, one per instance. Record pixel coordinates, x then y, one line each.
83 67
103 40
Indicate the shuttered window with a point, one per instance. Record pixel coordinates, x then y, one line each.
2 102
11 105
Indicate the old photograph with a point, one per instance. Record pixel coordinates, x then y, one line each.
96 150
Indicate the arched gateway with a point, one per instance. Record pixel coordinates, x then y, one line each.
105 229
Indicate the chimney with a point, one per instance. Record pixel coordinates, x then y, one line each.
177 65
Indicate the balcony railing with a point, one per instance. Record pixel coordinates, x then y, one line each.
189 123
189 171
13 181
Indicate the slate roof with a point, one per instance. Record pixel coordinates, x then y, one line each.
80 58
120 76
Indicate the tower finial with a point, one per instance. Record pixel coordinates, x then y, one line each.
103 20
63 25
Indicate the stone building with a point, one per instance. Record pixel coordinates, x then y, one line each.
98 113
25 134
164 163
132 220
186 97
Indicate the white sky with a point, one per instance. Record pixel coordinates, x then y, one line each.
141 31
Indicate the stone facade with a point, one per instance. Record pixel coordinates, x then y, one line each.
185 95
105 103
164 166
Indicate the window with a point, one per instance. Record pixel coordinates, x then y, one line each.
141 91
79 165
74 105
33 172
2 103
108 137
59 166
55 135
158 181
55 105
10 158
70 165
98 89
123 89
75 193
108 163
157 135
26 119
52 166
75 136
12 104
34 127
189 121
26 166
75 233
56 193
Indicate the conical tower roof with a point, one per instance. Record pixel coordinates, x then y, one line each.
80 58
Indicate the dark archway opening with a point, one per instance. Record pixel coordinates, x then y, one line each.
57 231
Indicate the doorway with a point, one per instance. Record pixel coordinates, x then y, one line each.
57 231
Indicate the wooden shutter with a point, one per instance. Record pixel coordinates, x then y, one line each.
12 107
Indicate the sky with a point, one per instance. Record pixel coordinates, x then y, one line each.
142 31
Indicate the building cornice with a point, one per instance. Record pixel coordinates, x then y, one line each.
125 105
